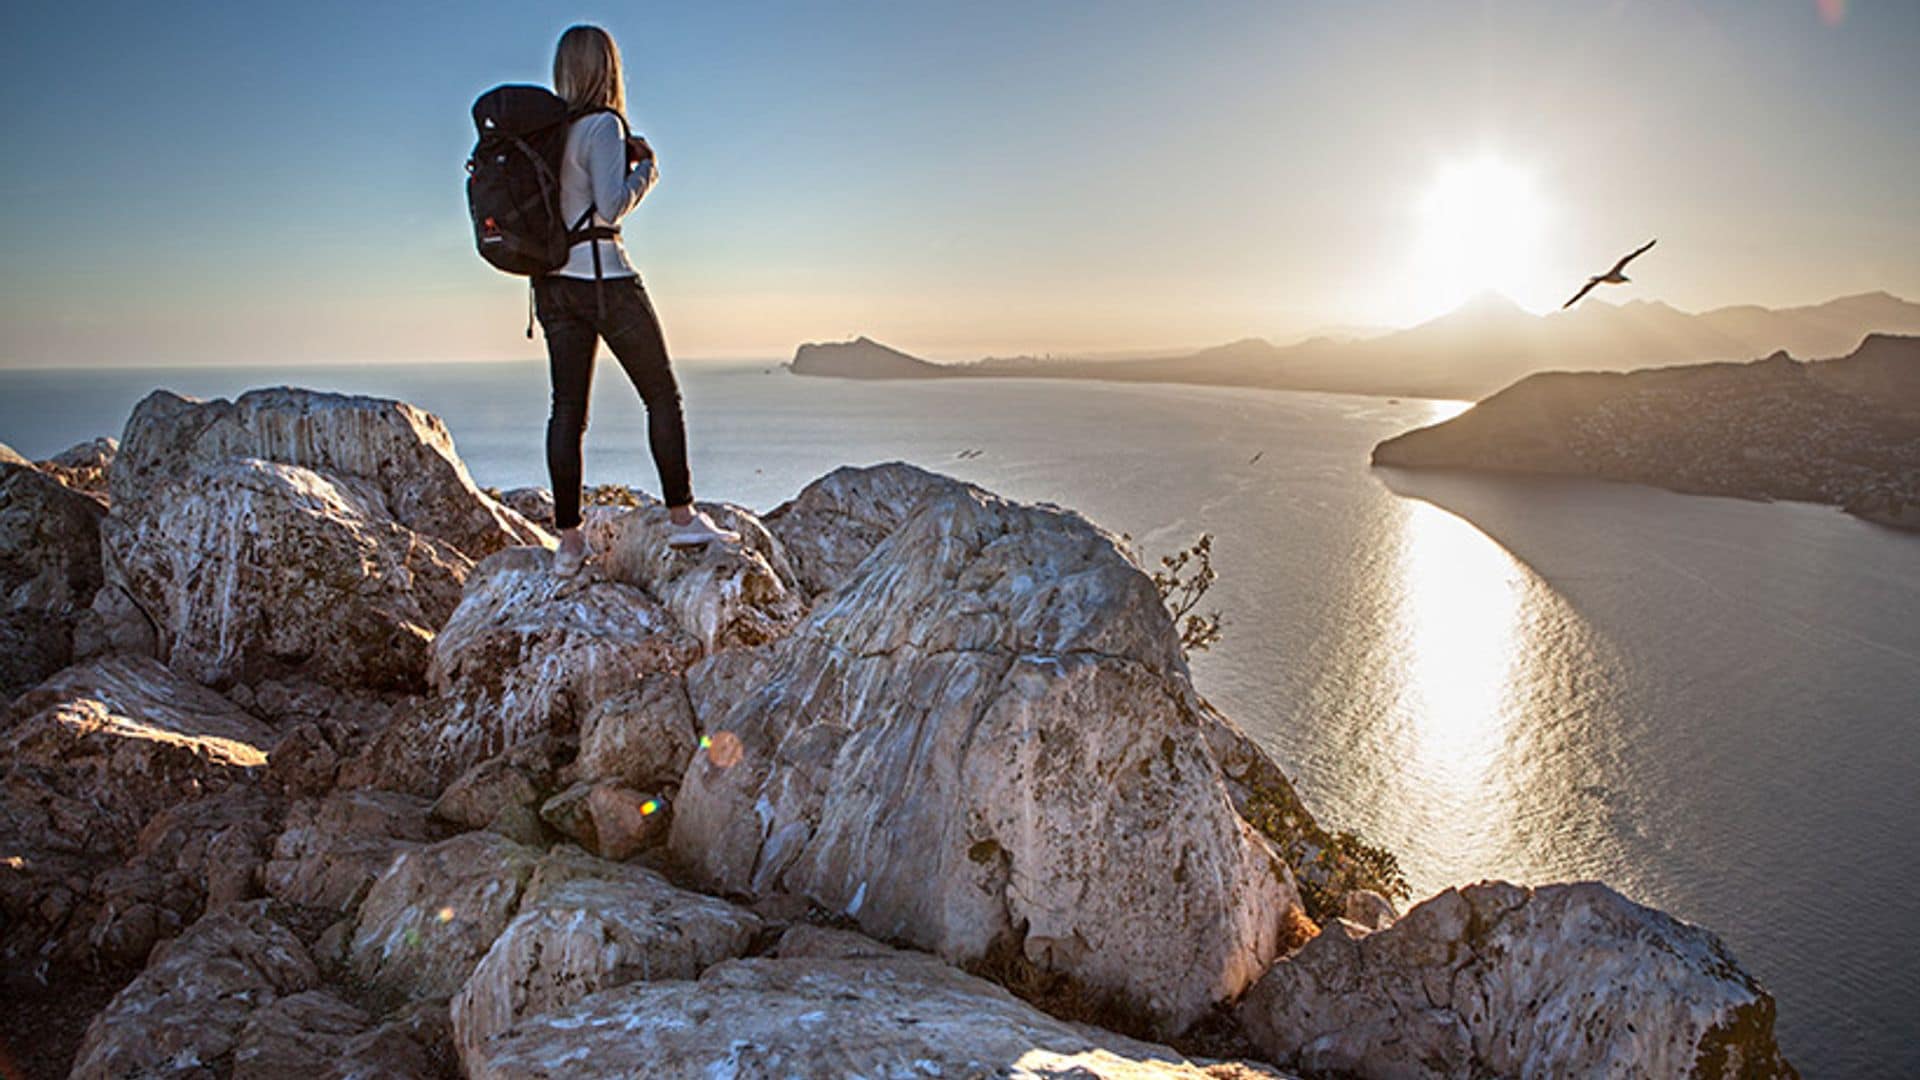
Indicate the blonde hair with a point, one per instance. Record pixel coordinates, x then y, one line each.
586 70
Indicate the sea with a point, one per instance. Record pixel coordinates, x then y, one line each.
1712 705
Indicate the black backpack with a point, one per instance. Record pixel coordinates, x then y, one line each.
513 182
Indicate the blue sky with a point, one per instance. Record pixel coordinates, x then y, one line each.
263 182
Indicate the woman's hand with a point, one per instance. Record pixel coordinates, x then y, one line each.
637 149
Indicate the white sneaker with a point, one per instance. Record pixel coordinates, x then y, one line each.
568 558
700 532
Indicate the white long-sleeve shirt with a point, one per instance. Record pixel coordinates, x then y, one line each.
593 171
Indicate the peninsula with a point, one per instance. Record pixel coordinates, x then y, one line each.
1844 432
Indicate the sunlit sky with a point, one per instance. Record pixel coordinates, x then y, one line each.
257 183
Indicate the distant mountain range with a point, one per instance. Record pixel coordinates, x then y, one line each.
1468 353
1844 432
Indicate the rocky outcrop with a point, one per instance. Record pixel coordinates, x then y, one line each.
239 995
1499 980
49 571
525 654
837 521
533 503
84 467
401 453
984 738
900 702
828 1003
296 531
584 926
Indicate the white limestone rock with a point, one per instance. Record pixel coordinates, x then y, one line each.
294 531
840 518
1500 980
985 736
724 594
525 654
585 925
829 1004
402 453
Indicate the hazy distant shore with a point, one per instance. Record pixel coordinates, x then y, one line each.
1467 354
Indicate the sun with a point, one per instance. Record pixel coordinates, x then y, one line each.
1480 228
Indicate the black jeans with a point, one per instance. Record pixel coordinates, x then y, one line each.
574 321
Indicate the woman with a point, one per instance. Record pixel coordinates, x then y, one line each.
598 294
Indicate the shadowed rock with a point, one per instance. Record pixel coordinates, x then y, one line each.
49 571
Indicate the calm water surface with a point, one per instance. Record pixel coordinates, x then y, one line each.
1711 704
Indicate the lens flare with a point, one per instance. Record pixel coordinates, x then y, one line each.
650 807
724 749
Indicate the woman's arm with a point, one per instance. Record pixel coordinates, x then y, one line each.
615 190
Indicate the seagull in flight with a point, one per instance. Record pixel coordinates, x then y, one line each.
1611 277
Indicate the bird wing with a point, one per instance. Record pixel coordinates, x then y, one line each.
1642 250
1584 290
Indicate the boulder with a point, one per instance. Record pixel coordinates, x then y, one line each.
839 519
318 1036
525 654
333 848
724 594
517 777
828 1004
189 859
296 531
533 503
84 467
984 738
1500 980
575 935
643 737
99 749
608 818
49 543
49 572
184 1014
401 455
434 912
253 569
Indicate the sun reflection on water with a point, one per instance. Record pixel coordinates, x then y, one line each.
1457 621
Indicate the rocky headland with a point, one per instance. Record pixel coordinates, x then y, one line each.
862 358
314 768
1844 432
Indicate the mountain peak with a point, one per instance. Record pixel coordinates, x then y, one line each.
1490 301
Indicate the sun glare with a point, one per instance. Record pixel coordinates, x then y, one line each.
1481 223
